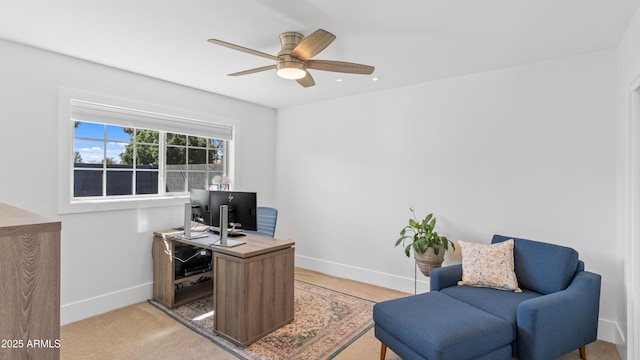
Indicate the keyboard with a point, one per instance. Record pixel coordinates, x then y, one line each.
229 233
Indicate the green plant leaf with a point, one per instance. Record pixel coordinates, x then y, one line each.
419 247
447 242
399 241
432 224
426 220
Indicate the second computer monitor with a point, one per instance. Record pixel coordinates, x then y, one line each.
242 207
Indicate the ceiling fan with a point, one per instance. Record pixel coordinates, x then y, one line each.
294 59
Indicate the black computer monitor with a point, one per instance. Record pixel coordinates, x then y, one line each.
242 208
200 206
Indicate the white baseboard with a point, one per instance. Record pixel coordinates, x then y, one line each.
607 330
389 281
610 331
86 308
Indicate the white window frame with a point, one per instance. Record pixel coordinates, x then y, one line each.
83 106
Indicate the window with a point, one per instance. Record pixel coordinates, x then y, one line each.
130 155
111 160
192 161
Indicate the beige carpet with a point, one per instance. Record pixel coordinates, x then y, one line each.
142 332
138 331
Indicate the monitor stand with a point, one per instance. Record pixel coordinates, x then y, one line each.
229 243
224 223
187 225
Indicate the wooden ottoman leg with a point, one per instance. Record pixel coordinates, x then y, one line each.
583 353
383 351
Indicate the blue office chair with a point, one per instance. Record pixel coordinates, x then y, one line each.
267 217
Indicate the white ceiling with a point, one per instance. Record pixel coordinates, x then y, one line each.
408 41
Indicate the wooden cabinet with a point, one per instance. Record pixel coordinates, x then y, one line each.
252 296
169 290
30 278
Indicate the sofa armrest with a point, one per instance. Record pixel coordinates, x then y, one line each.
445 277
554 324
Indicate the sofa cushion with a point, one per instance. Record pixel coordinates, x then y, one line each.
437 326
503 304
542 267
488 265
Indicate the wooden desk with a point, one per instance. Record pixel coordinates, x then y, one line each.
252 285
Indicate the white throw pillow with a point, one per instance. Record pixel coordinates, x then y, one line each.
488 265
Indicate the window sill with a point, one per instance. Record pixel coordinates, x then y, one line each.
80 206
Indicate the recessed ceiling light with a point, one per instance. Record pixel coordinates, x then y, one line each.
375 78
339 80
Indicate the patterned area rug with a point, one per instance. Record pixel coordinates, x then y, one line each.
325 323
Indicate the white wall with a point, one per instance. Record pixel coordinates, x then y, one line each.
528 151
628 66
106 256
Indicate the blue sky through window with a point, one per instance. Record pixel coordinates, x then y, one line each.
89 142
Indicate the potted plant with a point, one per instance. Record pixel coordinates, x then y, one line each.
428 246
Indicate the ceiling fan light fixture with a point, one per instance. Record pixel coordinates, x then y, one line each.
291 73
291 69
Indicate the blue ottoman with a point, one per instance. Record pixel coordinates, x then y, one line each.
435 326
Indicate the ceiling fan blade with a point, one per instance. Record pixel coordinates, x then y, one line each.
313 44
306 81
340 66
242 49
252 71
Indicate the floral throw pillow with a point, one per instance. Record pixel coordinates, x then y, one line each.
488 265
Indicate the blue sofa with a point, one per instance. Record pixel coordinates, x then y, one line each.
556 312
